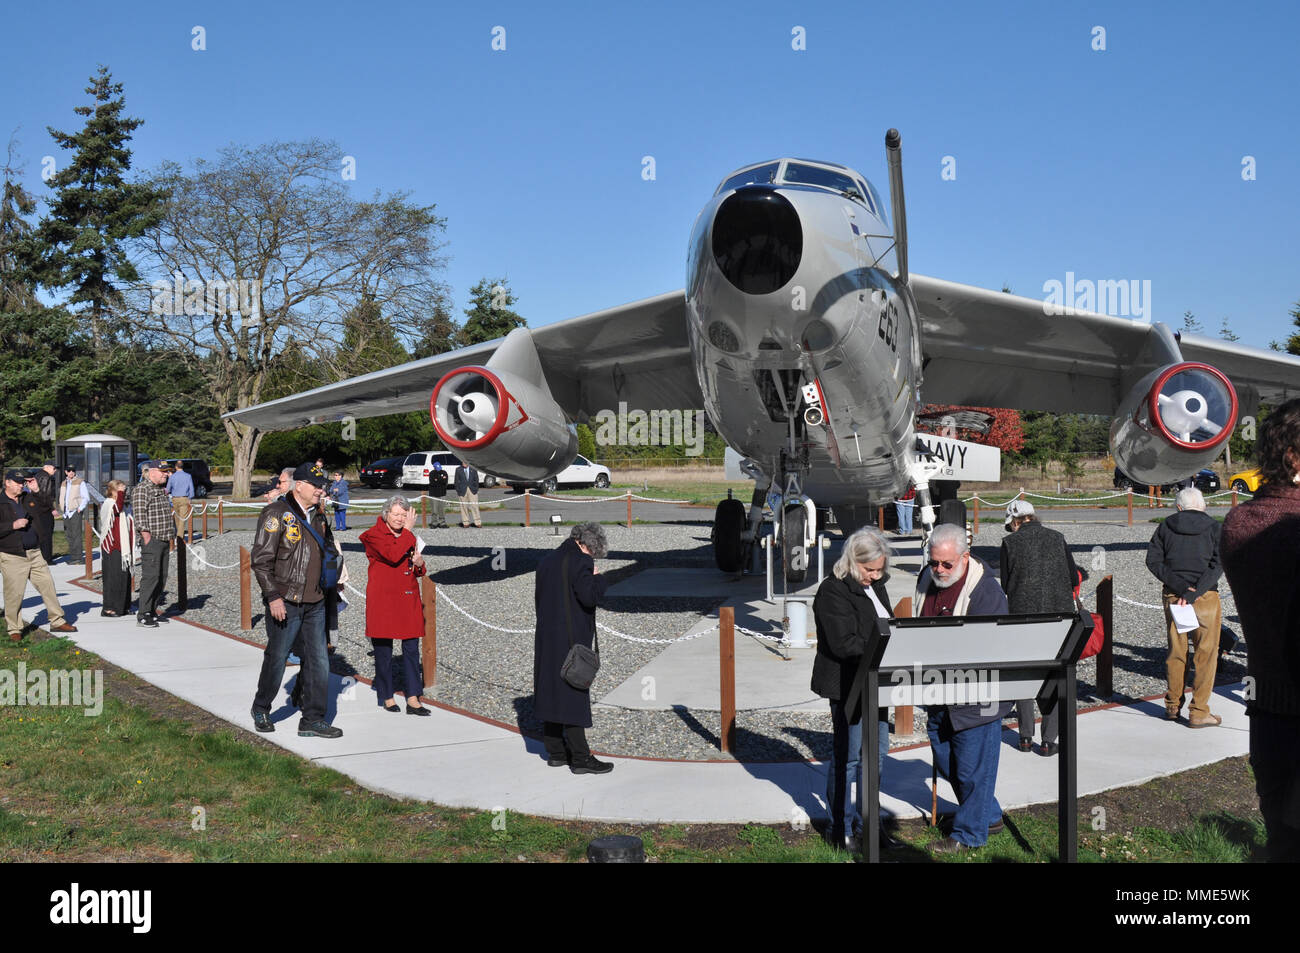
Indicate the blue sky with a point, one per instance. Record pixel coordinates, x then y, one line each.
1117 164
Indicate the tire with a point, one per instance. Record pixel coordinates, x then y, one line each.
1240 486
602 481
728 524
794 556
398 483
549 485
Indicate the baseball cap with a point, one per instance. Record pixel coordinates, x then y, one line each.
18 476
155 465
310 473
1018 508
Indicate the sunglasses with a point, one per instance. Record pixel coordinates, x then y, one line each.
933 563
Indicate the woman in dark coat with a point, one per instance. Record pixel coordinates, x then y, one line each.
846 608
568 589
393 607
116 546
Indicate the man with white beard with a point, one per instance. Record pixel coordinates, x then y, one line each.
964 739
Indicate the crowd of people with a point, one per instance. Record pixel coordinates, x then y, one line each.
297 563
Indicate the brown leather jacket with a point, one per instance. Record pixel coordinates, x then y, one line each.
280 554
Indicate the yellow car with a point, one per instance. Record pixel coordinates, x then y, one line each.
1247 481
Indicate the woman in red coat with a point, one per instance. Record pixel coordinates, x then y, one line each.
393 607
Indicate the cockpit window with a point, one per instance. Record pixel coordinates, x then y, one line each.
760 175
798 173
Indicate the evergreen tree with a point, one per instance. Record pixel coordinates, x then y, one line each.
81 243
438 334
489 316
1293 342
1190 324
16 204
1226 332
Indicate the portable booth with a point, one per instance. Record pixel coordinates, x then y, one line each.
98 458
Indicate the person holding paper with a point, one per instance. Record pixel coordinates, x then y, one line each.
1184 555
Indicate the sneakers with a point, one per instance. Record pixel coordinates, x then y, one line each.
554 761
1026 744
318 729
262 721
1049 749
148 621
949 846
586 764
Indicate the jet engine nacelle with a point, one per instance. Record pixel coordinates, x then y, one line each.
1174 422
502 423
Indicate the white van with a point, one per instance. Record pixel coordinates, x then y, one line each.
417 467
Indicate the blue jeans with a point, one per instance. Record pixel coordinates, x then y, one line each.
308 620
844 768
968 759
904 515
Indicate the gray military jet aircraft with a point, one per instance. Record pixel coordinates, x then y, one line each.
810 344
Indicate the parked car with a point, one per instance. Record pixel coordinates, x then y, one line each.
1205 480
1247 481
198 470
417 466
382 473
581 472
1122 481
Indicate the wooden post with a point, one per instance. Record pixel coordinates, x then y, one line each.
1021 494
189 525
221 520
629 510
880 518
182 576
245 589
1105 658
903 713
727 677
977 515
424 516
1130 505
205 521
528 516
85 545
1234 496
429 647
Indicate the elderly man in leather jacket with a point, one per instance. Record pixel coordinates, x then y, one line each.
288 559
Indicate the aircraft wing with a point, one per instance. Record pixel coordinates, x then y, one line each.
637 352
989 349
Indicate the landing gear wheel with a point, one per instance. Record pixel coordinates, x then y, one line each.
728 524
794 554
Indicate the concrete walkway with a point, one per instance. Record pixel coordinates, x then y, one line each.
459 760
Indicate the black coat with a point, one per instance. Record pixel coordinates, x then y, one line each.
566 595
845 617
1037 570
466 480
11 540
1184 554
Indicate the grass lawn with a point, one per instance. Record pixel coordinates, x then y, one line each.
152 778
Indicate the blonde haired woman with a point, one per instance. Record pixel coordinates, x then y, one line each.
848 605
117 550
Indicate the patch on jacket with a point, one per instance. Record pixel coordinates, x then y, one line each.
292 531
272 525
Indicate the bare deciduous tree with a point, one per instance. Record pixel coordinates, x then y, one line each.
264 254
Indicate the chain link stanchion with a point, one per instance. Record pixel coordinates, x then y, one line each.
1130 506
245 589
629 509
221 520
1105 658
429 646
528 514
727 679
205 521
976 527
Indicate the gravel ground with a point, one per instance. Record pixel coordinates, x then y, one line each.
489 672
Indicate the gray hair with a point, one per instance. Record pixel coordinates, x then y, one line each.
946 533
287 474
592 536
1190 498
864 546
395 501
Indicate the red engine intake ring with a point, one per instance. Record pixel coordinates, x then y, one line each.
1153 405
498 425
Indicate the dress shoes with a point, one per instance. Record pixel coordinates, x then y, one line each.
1204 721
1171 714
66 627
997 827
1049 749
395 709
417 710
586 764
1026 744
557 761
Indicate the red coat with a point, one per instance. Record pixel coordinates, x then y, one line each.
393 607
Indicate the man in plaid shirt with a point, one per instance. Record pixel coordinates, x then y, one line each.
155 523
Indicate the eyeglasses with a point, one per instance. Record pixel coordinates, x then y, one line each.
933 563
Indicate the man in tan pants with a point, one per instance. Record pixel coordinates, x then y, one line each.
21 560
1184 555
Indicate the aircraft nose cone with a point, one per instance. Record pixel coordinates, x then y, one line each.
757 240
